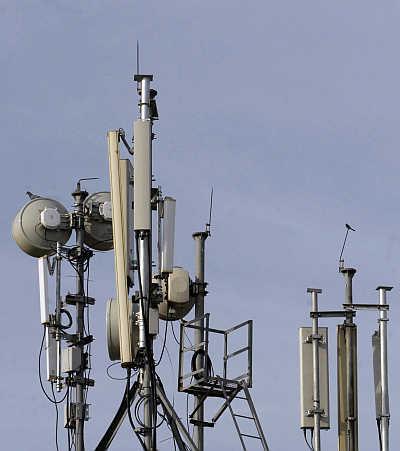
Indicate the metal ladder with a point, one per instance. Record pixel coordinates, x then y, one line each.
242 386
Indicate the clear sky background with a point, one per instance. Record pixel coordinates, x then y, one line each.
289 109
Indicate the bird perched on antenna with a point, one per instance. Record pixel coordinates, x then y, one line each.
32 196
349 227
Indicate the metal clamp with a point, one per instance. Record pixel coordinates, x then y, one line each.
311 412
312 337
199 288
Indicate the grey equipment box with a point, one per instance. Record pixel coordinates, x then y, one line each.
71 359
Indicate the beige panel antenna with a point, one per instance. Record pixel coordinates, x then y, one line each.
120 249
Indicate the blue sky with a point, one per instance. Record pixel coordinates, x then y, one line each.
289 109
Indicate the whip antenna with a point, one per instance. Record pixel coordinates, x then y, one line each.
137 56
137 65
208 224
341 261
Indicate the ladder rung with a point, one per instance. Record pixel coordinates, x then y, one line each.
252 436
243 416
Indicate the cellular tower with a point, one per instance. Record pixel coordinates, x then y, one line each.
135 220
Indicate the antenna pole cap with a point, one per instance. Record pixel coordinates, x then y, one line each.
383 287
201 235
140 77
314 290
348 271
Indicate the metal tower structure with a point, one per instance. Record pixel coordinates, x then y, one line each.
122 219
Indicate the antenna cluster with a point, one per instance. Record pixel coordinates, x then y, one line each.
129 220
122 220
314 367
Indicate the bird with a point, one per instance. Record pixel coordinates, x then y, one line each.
348 227
32 196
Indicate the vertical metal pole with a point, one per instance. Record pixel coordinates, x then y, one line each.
143 232
250 354
315 347
200 239
225 374
350 367
80 407
144 105
385 414
145 276
58 283
160 212
58 316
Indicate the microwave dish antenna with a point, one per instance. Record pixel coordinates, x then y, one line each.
39 225
98 221
112 326
177 295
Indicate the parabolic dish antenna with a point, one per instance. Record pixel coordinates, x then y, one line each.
112 326
98 221
177 300
39 225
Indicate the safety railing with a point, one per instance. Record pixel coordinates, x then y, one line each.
197 365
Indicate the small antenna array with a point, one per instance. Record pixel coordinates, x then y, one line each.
314 361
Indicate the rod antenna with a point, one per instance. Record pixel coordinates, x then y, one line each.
137 61
137 56
341 260
208 224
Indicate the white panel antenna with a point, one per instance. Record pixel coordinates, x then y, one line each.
168 235
142 175
43 290
120 253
